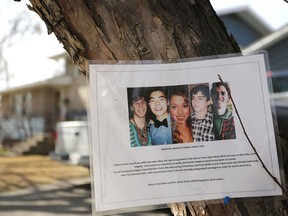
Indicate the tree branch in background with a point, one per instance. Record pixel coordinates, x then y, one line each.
18 28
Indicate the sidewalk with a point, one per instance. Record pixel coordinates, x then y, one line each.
68 198
39 186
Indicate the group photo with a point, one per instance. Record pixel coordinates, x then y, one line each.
180 114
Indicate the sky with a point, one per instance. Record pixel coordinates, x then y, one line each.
28 56
274 13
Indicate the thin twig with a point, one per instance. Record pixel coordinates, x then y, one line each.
246 135
286 1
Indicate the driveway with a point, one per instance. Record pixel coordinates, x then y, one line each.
39 186
67 198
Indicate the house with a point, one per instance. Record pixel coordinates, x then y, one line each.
33 109
255 28
244 27
276 44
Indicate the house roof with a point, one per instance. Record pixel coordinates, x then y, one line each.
272 14
268 40
58 81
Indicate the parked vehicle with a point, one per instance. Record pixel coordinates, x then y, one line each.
72 143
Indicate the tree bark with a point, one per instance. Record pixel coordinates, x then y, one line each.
135 30
149 30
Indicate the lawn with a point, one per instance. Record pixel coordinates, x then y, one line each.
20 172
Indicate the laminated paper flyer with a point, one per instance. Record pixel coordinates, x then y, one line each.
164 133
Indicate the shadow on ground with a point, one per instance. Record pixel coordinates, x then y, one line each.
39 186
75 200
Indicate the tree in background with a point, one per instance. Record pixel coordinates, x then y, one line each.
149 30
16 25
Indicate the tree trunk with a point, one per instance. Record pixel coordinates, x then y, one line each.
133 30
148 30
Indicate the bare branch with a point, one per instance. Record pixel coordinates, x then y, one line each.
250 142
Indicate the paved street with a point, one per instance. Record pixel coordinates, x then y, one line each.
39 186
67 198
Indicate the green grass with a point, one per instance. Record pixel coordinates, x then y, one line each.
2 150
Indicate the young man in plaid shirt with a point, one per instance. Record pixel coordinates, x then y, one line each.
202 118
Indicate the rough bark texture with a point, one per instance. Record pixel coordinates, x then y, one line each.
149 30
133 30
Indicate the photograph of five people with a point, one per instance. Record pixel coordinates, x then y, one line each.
180 114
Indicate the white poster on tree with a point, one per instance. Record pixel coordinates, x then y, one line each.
164 133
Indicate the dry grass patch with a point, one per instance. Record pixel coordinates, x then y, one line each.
30 171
